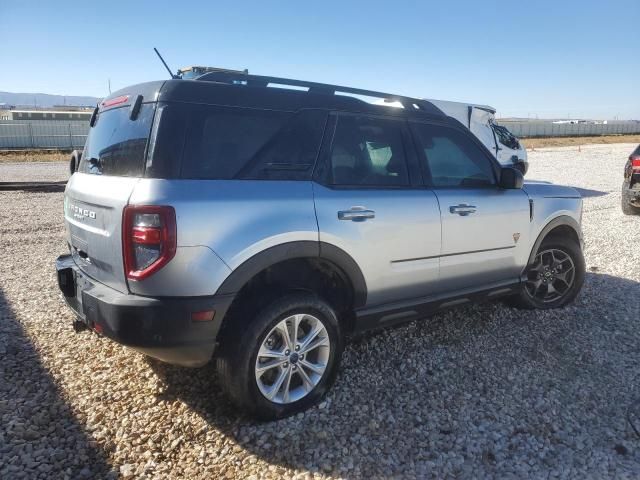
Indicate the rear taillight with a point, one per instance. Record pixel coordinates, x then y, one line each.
635 163
149 239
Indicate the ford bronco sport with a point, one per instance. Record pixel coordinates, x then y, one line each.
259 221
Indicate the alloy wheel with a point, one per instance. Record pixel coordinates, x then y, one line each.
551 276
292 358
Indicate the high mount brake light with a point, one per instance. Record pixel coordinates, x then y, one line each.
111 102
149 239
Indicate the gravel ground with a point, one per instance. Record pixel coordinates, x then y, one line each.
485 391
34 172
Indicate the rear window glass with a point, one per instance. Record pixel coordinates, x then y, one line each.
240 143
368 152
116 144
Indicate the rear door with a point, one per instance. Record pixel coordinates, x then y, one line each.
484 227
370 203
111 164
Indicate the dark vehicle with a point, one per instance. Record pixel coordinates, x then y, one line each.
631 184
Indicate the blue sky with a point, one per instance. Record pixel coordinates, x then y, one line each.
545 58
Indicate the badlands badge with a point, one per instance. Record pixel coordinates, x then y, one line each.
516 237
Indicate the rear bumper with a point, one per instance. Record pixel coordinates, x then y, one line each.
159 327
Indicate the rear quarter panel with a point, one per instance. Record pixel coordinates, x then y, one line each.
232 219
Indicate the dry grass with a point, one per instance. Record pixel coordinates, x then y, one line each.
28 156
530 143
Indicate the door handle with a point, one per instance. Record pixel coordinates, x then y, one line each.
356 214
463 209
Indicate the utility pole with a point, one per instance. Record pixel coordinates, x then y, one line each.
109 81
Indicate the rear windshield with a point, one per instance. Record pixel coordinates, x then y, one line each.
116 144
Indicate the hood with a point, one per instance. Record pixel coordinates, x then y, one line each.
541 189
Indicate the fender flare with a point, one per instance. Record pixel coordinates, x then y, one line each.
562 220
239 277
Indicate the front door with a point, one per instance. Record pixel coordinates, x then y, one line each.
370 203
484 227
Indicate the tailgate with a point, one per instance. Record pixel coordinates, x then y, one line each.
112 163
93 207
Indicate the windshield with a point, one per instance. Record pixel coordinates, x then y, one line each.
116 144
505 137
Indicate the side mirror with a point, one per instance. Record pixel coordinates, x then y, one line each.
511 178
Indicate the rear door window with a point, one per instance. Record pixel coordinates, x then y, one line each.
226 143
116 145
368 151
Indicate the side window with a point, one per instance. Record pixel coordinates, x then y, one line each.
292 153
368 152
453 159
226 143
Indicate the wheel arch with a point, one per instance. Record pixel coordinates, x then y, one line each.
277 254
561 225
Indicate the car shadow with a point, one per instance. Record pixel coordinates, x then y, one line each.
481 385
39 434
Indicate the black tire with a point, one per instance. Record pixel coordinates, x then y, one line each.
236 358
72 164
523 167
627 208
572 249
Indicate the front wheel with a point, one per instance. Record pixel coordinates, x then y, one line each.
555 276
285 360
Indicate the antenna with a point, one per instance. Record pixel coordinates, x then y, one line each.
164 63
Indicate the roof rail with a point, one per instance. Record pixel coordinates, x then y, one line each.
243 78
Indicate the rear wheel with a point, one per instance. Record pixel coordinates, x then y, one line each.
627 208
285 360
555 276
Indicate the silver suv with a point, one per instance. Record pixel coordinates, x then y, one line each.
260 221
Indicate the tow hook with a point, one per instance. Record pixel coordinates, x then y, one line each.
79 326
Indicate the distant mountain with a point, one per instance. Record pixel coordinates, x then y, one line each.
46 100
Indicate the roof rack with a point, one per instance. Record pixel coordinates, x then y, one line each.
244 78
195 71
